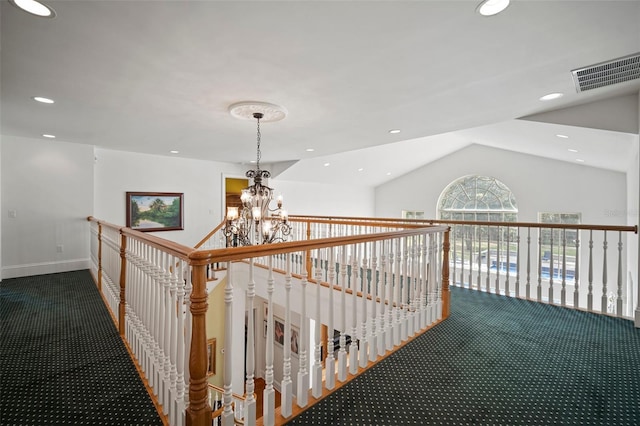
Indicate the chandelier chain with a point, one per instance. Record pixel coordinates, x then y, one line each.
258 153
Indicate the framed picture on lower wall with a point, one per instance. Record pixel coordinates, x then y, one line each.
211 357
278 336
155 211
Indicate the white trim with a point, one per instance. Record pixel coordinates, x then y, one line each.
29 269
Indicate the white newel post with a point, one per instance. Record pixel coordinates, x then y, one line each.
330 363
302 398
269 401
286 386
250 401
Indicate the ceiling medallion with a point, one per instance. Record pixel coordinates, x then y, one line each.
246 111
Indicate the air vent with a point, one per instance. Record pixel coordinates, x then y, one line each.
607 73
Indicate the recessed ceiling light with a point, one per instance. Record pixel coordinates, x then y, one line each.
35 8
572 150
309 149
49 136
388 173
579 160
492 7
43 100
394 131
360 169
173 151
252 161
327 164
563 136
552 96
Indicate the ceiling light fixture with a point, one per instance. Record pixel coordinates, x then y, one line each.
49 136
572 150
492 7
43 100
551 96
327 164
563 136
394 131
579 160
309 149
173 151
253 222
35 8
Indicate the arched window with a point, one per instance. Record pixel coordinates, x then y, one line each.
478 198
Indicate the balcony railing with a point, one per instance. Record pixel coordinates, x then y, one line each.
576 266
374 284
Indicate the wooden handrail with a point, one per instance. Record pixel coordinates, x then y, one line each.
209 235
239 253
377 221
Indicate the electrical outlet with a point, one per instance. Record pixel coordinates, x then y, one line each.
60 248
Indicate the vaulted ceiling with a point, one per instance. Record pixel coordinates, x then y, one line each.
156 76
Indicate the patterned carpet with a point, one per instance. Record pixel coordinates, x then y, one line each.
499 361
62 361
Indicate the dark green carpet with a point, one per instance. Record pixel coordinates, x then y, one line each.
62 361
499 361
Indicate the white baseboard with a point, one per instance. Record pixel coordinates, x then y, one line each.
29 269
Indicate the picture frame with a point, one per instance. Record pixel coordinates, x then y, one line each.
155 211
211 357
278 336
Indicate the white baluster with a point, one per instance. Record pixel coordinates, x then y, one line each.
539 289
286 386
498 263
342 353
518 263
619 299
188 321
382 327
487 285
180 394
250 401
507 291
462 240
353 349
397 328
590 292
604 301
576 274
316 376
330 363
364 338
227 395
454 256
303 371
528 285
268 400
389 339
173 337
551 267
373 282
563 296
404 324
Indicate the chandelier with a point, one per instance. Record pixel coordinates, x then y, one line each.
255 222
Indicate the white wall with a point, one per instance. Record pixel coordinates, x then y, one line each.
320 199
632 216
117 172
49 186
539 185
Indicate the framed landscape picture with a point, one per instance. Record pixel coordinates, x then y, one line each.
154 211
